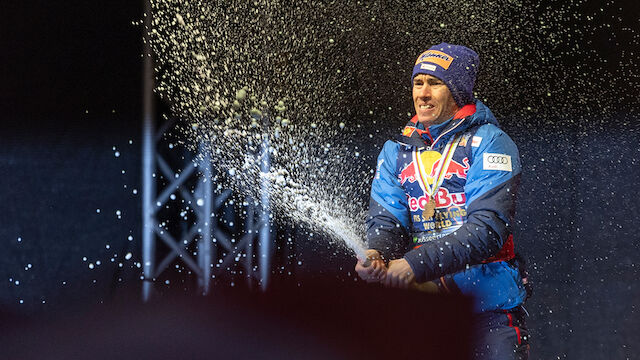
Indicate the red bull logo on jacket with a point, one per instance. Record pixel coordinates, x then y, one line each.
443 198
450 198
410 172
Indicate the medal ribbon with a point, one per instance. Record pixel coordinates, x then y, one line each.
440 172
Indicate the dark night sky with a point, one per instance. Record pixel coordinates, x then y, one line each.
61 59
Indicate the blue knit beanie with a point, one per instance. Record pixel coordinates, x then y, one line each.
456 65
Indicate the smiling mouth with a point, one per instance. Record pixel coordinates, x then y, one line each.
426 107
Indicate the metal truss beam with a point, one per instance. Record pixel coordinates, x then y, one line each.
216 249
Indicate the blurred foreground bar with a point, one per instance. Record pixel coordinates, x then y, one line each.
317 320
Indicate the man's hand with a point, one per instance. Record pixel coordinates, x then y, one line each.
374 272
399 274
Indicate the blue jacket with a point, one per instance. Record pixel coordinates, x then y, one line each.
467 244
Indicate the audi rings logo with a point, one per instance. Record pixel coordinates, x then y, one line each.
495 159
500 162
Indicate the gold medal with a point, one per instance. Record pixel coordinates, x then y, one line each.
430 208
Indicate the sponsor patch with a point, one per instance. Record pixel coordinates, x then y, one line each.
408 131
496 162
475 142
435 57
429 67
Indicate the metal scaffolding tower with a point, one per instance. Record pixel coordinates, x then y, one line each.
216 247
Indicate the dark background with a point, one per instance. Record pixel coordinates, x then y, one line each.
70 93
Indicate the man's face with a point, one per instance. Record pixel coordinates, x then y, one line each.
432 100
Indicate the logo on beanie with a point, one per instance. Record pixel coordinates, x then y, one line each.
429 67
435 57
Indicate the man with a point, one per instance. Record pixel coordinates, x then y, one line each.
443 202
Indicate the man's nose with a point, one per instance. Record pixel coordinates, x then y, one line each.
424 91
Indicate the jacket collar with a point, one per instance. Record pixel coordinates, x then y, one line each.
414 133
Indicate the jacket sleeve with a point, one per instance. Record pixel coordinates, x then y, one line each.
490 191
388 217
